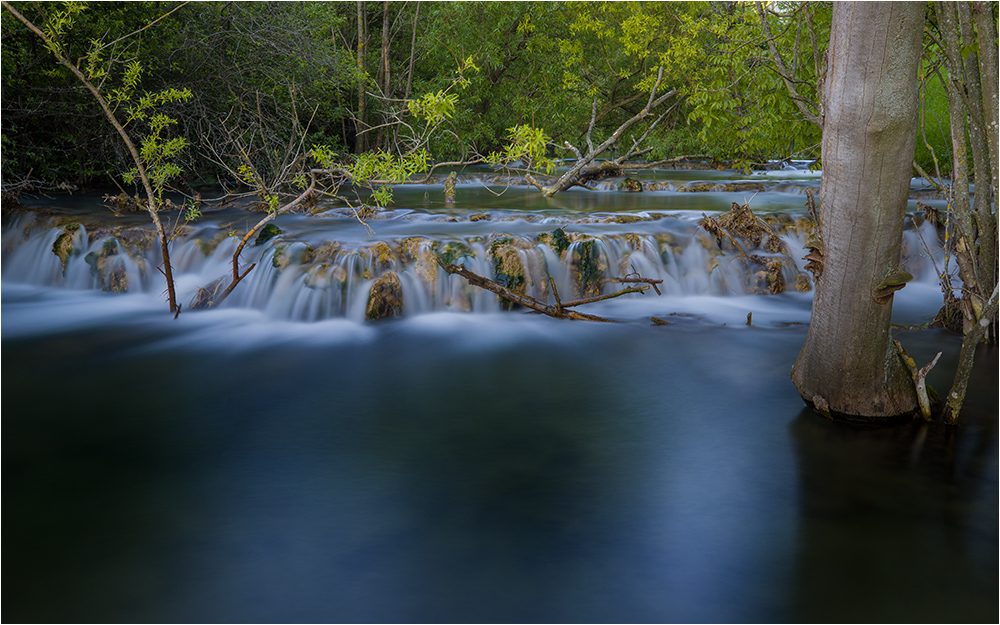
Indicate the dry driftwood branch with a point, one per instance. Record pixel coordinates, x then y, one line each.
567 179
205 297
919 378
465 163
559 310
637 278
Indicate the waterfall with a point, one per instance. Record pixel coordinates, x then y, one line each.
315 273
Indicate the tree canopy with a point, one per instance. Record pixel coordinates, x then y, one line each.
266 79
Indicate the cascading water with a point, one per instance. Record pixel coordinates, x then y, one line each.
278 458
323 267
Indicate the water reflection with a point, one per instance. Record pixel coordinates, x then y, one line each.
898 524
449 467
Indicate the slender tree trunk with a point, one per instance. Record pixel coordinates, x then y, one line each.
848 366
969 46
361 136
413 53
386 77
986 30
960 204
151 203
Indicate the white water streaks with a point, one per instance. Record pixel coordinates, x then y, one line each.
322 268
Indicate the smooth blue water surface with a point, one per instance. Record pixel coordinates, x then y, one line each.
468 468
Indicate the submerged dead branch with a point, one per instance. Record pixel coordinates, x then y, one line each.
560 309
919 378
209 296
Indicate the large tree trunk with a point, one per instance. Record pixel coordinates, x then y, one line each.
848 367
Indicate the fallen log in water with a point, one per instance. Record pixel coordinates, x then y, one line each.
559 310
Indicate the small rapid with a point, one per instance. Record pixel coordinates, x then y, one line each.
278 458
323 265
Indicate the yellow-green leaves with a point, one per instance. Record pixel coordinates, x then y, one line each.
379 170
380 166
433 108
528 144
59 21
324 155
738 101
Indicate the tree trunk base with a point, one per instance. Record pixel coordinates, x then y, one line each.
819 406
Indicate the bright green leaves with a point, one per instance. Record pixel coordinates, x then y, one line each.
158 150
433 108
379 170
525 26
639 31
58 22
527 144
380 166
739 103
149 101
324 155
130 79
436 108
157 153
158 146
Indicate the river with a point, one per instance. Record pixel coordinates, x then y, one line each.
279 458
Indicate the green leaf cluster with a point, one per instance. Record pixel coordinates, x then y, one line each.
433 108
379 170
739 102
158 147
466 74
527 144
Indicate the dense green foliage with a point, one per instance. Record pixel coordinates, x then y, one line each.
268 81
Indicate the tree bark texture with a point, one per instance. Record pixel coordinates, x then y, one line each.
848 367
969 48
361 142
986 30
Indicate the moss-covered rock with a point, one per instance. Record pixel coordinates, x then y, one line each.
451 251
508 268
697 187
381 253
65 245
108 268
802 284
422 253
208 295
634 241
588 268
385 299
208 246
265 234
135 241
627 219
449 188
326 253
766 276
556 239
630 185
280 258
